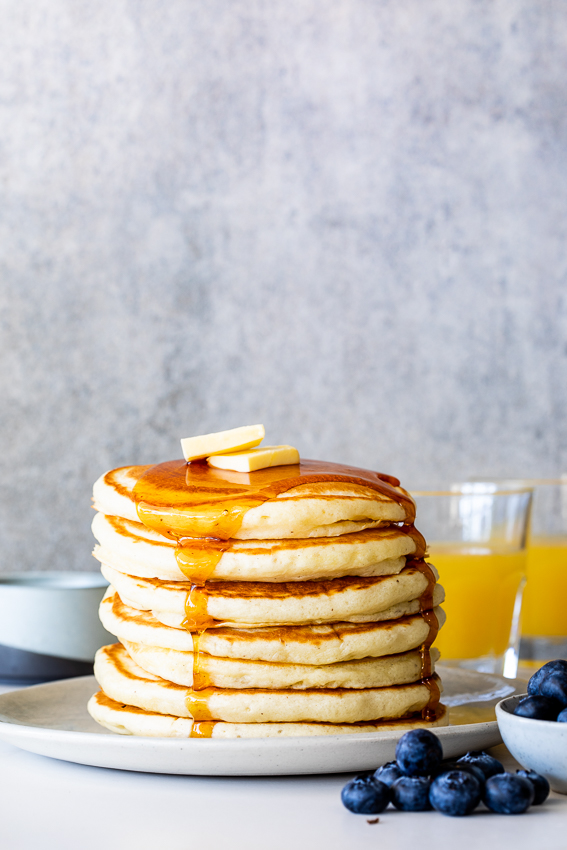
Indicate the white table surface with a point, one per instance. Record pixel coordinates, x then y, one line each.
47 804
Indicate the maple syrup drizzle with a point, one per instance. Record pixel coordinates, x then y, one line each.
431 709
179 499
197 703
419 540
426 666
203 729
426 598
197 558
426 609
196 616
201 677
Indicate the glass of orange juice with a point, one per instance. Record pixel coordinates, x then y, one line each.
544 609
476 535
544 620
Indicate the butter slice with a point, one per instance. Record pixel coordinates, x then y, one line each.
255 458
237 439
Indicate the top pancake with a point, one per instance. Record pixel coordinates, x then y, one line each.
308 500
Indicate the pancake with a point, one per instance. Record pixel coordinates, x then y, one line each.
124 681
177 667
334 500
129 720
284 644
394 612
257 603
132 548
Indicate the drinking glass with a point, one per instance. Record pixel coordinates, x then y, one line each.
476 535
544 609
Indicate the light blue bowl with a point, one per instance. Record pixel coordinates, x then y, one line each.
539 745
53 613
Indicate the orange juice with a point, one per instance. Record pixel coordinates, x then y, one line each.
544 609
481 585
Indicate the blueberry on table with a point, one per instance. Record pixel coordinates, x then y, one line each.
365 795
538 708
411 793
388 773
445 767
456 793
469 767
540 675
418 752
508 794
489 765
555 687
562 716
540 783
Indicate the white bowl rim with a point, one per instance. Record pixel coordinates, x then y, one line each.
53 580
503 708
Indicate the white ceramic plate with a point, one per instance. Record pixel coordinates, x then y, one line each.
52 720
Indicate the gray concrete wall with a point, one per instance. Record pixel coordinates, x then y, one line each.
343 218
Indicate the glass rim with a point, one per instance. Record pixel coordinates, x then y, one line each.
523 482
514 491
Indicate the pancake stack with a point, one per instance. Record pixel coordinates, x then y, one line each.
293 600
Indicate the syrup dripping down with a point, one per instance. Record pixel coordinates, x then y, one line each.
197 703
197 558
431 619
426 608
201 677
431 709
202 729
196 616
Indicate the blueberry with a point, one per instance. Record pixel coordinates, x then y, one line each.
508 794
411 793
418 752
365 795
555 687
453 764
388 773
540 675
445 767
562 716
489 765
540 783
456 793
538 708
